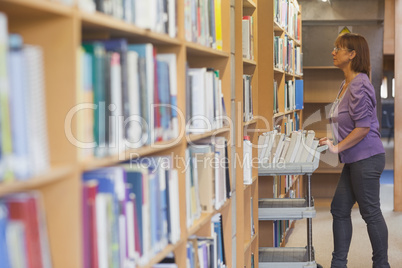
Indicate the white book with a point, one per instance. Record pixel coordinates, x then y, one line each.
209 99
286 144
15 237
37 125
102 228
247 162
174 205
301 147
291 148
198 105
314 146
134 96
188 189
275 144
172 27
307 146
116 130
296 146
279 148
262 145
246 38
271 140
131 250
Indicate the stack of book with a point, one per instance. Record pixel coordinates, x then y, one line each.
208 251
23 232
134 95
299 147
130 212
207 177
24 149
203 22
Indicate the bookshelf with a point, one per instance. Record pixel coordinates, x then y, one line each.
60 30
276 113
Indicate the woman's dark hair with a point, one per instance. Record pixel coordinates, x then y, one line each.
356 42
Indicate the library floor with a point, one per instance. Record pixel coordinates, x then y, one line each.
360 249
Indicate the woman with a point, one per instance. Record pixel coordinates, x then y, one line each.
357 141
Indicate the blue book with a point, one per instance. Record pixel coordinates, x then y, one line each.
164 96
136 183
154 207
212 22
299 96
121 46
4 255
97 51
18 108
111 181
146 67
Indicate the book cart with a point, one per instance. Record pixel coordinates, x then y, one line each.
289 209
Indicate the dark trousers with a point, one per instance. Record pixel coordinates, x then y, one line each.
359 182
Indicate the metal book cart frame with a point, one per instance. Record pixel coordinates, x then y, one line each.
289 209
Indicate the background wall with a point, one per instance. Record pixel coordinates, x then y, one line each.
321 22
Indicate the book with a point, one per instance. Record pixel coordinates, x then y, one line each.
6 142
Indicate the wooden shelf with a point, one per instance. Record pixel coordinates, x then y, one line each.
158 147
194 49
285 113
205 219
34 8
249 4
279 29
196 137
254 179
248 62
99 25
251 122
161 255
248 244
54 175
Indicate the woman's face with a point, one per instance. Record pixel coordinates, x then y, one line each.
341 56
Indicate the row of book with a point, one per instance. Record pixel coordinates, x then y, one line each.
275 147
207 252
291 123
24 149
286 15
23 232
287 56
294 95
280 229
247 98
203 22
157 15
205 105
134 92
129 212
207 177
248 37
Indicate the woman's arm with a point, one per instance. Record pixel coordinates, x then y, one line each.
351 140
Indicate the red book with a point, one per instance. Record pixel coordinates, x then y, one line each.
24 208
89 192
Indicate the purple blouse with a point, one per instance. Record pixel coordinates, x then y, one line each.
357 108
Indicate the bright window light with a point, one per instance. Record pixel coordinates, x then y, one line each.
393 87
384 88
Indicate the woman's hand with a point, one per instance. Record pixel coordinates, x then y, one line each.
331 147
